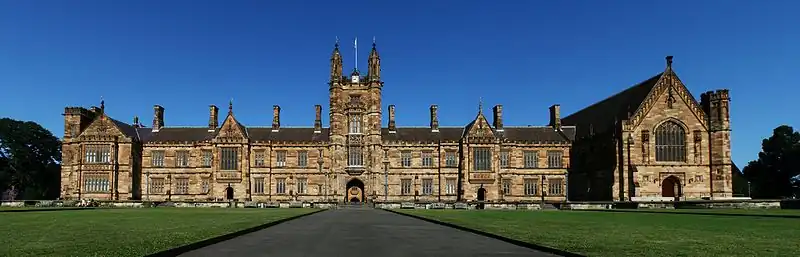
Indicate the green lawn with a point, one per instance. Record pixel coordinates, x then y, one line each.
636 233
123 232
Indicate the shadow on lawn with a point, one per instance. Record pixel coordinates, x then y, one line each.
490 235
701 213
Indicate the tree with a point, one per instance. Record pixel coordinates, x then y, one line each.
30 160
775 173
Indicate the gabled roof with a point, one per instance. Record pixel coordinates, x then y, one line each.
601 115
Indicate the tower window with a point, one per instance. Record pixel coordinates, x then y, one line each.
355 124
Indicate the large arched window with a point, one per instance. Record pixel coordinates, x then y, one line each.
670 142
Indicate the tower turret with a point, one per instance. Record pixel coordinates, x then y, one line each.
336 63
374 70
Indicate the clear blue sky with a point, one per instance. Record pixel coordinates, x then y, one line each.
526 55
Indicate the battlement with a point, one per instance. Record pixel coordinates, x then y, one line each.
72 110
719 94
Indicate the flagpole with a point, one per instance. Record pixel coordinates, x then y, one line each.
355 47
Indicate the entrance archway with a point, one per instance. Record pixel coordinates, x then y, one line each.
671 187
355 191
481 197
229 193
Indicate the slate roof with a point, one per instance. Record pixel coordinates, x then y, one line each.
306 134
601 115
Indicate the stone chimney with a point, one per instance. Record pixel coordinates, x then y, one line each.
434 118
213 118
318 119
392 128
158 118
555 116
276 118
669 61
498 117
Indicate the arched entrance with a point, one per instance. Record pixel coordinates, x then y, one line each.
229 193
671 187
355 191
481 197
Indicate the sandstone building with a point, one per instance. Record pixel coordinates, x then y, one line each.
354 158
653 141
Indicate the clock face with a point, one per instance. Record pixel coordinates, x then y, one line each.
354 79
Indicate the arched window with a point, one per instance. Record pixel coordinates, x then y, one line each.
670 142
355 124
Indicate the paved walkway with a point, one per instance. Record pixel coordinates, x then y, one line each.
357 232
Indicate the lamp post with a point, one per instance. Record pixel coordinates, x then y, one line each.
541 203
319 165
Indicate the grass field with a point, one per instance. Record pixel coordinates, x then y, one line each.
636 233
123 232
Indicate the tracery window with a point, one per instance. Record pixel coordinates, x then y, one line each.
670 142
355 157
355 124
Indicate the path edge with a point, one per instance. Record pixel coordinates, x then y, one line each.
490 235
200 244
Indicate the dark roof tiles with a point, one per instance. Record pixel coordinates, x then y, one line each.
601 115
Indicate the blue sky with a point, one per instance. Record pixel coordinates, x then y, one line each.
526 55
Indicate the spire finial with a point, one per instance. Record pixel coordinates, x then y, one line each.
373 42
230 106
102 103
480 105
669 61
337 43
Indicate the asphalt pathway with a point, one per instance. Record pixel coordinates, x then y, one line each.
355 232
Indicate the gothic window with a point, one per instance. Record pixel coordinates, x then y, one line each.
450 159
157 158
554 186
182 186
427 186
280 186
482 158
302 183
258 186
354 156
531 186
98 154
205 186
427 159
504 159
555 159
302 159
207 157
157 185
405 159
96 184
259 160
506 187
670 142
450 186
182 158
229 158
531 159
280 158
405 186
355 124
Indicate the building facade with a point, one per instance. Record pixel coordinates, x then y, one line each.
653 141
355 158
